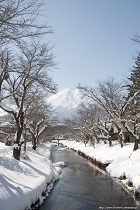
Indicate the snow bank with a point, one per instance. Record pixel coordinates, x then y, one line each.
24 182
124 163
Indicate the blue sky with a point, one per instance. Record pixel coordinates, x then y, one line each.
93 39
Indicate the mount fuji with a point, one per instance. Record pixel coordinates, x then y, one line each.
66 102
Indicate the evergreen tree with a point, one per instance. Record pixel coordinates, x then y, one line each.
134 88
134 94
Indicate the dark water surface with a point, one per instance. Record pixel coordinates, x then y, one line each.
83 187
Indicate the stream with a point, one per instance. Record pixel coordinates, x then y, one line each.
82 186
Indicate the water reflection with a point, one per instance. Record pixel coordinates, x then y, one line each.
84 187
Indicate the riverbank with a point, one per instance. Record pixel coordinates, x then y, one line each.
26 183
83 186
121 163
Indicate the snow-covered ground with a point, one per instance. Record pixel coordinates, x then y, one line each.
124 163
24 182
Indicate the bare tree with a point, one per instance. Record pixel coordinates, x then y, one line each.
73 131
19 22
28 73
37 118
19 19
108 95
84 126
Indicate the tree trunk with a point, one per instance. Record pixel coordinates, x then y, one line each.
96 136
25 145
16 153
25 139
136 144
92 141
34 143
120 140
34 147
110 141
17 147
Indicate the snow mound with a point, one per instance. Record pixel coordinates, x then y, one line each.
28 181
16 166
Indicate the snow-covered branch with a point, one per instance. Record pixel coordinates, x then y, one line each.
7 109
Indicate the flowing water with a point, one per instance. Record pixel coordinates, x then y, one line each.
82 186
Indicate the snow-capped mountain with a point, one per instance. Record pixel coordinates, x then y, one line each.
66 101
